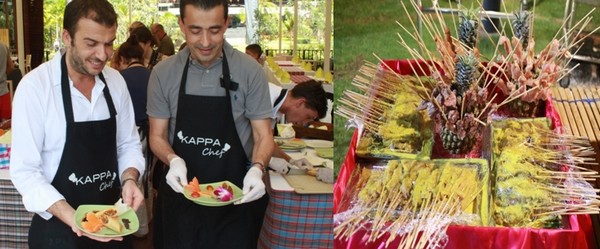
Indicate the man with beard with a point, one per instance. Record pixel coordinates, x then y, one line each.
74 135
209 113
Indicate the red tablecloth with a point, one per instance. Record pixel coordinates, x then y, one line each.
299 78
579 235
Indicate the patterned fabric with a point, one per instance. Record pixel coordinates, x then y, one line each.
294 70
4 156
297 221
285 63
14 219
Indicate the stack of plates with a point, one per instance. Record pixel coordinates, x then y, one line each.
324 152
294 144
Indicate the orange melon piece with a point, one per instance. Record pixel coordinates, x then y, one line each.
193 186
93 224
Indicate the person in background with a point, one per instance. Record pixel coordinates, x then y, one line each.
306 102
115 60
302 104
165 44
136 76
147 41
300 112
210 117
182 46
6 66
74 136
255 51
135 25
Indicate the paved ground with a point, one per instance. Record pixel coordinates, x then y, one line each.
236 37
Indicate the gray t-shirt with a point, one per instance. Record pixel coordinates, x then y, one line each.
250 102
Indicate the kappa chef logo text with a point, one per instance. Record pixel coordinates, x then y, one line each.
106 179
212 146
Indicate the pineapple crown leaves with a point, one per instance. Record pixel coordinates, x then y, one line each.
467 30
521 26
466 73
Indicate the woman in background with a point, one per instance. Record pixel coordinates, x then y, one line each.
146 41
136 75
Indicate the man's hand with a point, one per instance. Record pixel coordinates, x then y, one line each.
63 211
132 195
302 163
254 188
280 165
101 239
325 175
177 176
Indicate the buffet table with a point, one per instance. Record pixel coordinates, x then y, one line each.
296 220
14 219
578 235
577 232
297 75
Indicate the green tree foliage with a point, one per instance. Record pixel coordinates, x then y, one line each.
145 11
311 23
266 17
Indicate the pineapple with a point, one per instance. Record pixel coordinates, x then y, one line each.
460 129
466 69
521 27
467 30
456 145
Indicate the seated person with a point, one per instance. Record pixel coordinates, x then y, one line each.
304 103
255 51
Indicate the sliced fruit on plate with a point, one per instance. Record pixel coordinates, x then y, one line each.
226 186
194 187
91 223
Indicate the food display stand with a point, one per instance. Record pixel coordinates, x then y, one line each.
577 231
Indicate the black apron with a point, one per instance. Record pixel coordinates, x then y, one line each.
206 138
277 101
87 174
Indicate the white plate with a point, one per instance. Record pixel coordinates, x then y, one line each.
319 143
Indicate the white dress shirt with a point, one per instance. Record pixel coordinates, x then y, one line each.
39 130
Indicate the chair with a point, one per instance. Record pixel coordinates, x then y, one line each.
27 63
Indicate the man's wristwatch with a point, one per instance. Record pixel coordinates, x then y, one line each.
260 165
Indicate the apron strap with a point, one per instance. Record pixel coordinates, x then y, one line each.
225 83
280 98
66 93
